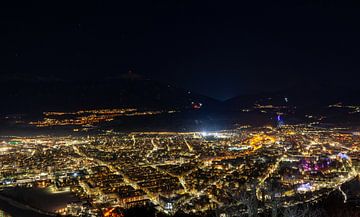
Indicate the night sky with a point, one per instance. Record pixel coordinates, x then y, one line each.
215 48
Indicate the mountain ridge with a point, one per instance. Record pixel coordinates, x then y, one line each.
22 94
300 96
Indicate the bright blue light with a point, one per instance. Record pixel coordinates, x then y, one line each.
343 156
304 187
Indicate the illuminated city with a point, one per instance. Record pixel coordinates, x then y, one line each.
191 172
180 109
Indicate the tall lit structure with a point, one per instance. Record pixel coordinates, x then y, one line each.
280 121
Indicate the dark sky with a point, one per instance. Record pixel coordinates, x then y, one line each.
216 48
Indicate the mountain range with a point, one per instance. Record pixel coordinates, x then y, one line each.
23 94
302 96
36 94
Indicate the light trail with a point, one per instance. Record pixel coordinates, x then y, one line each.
188 145
343 193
